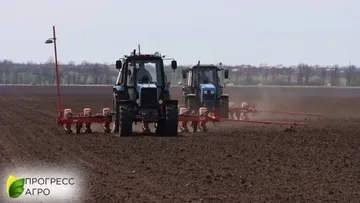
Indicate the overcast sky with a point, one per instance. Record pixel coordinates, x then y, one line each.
323 32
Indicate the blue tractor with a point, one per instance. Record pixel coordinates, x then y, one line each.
141 94
204 89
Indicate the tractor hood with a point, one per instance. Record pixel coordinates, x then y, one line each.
207 86
207 93
148 95
145 85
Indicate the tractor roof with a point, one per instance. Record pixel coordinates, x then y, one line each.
144 56
133 55
204 66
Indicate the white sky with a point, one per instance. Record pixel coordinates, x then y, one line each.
323 32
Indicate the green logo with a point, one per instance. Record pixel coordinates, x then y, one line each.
15 186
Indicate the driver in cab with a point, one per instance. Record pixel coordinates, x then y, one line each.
143 75
205 79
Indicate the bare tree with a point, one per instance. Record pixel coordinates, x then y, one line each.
300 77
335 80
307 73
323 76
289 75
350 75
84 73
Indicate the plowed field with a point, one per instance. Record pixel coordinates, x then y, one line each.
232 163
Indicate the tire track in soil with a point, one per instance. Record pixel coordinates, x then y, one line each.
26 138
13 147
39 121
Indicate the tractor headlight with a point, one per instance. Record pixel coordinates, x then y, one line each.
212 92
138 101
160 101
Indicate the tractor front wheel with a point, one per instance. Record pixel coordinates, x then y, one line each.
116 119
169 125
222 109
125 120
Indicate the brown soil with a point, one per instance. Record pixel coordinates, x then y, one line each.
234 162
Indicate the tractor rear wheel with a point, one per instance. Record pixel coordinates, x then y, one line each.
169 125
125 120
191 104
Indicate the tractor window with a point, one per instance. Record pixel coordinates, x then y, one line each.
129 75
208 76
195 78
118 80
120 76
147 71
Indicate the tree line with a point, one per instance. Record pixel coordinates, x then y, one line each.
96 73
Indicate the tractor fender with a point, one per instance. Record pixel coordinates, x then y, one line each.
119 94
190 95
223 96
166 96
171 102
125 102
128 103
118 88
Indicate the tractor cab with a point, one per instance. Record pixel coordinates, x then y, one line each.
203 88
142 72
143 75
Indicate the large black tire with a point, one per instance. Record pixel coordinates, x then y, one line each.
169 125
116 117
125 120
222 109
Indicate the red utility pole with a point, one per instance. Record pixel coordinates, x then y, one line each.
49 41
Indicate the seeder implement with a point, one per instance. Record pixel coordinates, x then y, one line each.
199 120
84 120
243 111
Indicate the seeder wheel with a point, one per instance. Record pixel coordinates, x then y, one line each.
88 128
203 127
78 128
87 112
291 129
67 128
106 127
243 116
194 126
